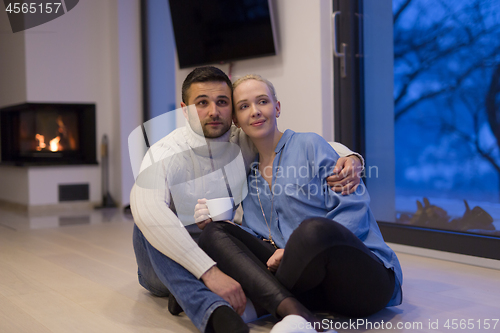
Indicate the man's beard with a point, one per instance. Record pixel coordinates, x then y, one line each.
215 133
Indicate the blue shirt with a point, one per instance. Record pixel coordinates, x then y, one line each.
303 162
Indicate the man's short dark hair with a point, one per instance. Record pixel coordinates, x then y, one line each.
204 74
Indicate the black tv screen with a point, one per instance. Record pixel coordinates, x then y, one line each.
216 31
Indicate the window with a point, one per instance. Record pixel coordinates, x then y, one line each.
447 114
430 83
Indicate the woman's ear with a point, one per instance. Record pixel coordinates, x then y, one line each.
278 109
235 121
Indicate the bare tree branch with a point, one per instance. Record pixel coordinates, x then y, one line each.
492 104
446 56
421 49
400 10
436 56
428 95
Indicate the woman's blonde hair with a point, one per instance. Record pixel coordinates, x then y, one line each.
257 78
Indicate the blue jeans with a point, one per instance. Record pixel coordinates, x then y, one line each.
161 276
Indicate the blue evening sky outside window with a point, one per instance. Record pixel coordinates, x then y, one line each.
447 109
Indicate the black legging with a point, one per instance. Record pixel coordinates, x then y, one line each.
325 266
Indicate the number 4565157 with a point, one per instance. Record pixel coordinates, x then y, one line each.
471 324
33 8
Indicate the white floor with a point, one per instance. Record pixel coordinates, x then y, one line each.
77 273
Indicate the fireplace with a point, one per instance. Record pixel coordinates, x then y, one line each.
48 134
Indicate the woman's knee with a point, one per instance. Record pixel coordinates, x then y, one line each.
321 230
209 233
314 224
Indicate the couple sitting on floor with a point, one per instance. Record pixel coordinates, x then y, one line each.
301 247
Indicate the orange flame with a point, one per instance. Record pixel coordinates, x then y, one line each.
54 144
41 142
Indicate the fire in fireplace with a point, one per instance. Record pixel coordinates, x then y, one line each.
48 134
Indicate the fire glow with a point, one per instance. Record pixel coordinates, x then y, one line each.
53 144
41 142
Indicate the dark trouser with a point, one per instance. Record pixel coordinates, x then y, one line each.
325 266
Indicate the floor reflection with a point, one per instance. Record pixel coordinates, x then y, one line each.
17 220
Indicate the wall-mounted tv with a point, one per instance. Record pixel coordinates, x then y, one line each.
217 31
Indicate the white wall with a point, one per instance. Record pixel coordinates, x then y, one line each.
12 69
14 182
43 183
302 72
70 60
130 89
87 55
92 54
14 185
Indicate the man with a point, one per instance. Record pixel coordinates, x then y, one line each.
198 160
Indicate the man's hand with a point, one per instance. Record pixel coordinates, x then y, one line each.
346 175
201 214
275 260
226 287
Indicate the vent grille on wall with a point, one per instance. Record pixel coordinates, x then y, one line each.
74 192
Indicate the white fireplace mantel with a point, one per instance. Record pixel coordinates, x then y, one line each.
35 188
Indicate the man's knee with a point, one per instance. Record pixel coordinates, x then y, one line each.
139 244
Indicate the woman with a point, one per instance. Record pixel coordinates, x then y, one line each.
301 243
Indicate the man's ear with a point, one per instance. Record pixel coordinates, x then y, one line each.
184 110
278 109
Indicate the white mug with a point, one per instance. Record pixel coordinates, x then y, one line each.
221 209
